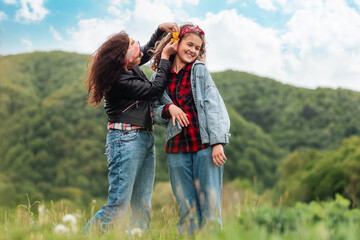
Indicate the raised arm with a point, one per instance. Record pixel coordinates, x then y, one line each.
164 27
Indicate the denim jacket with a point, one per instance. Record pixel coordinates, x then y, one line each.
212 114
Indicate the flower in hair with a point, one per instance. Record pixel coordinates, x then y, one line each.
175 37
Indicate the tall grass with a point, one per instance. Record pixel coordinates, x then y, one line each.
246 215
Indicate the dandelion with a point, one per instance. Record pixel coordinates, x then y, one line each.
136 232
69 219
41 208
44 216
61 229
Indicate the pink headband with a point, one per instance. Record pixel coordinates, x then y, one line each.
132 52
191 29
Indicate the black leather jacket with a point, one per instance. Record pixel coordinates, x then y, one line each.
129 99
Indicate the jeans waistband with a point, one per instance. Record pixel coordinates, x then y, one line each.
146 130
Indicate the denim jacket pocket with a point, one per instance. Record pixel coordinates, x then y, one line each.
128 135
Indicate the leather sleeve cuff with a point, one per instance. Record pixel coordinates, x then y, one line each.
165 63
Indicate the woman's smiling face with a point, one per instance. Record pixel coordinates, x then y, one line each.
189 48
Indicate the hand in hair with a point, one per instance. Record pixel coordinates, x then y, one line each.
169 27
169 49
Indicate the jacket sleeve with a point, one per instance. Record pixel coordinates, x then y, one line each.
217 118
158 104
150 44
136 88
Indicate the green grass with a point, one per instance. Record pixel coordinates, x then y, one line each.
245 216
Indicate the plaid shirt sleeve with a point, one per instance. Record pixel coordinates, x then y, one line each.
165 112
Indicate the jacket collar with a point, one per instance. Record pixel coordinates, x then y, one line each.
137 73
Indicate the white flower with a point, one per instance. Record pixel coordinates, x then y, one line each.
136 232
61 229
69 219
41 208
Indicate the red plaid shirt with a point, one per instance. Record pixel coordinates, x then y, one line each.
179 89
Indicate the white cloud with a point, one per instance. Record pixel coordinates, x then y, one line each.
266 4
175 3
322 46
116 6
139 23
90 33
9 1
357 2
28 43
239 43
231 1
31 11
3 16
55 34
318 46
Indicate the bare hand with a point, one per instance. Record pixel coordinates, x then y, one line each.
169 49
218 155
169 27
178 114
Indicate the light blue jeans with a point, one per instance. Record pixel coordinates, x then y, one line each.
131 164
197 185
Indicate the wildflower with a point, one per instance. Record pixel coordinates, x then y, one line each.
41 208
61 229
44 215
70 219
175 37
136 232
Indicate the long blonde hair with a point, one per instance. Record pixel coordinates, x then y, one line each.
159 46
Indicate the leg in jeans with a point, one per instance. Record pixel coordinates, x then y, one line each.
143 187
125 152
182 183
209 178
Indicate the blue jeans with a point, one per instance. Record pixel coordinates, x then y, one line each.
197 185
131 164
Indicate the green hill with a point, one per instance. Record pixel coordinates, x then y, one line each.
294 117
52 141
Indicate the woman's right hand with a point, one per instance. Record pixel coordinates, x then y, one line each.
178 114
169 49
169 27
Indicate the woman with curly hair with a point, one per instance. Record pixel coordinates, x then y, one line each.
116 77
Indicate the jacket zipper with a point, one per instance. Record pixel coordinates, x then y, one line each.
137 105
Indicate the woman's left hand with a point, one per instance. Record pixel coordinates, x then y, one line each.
218 155
169 27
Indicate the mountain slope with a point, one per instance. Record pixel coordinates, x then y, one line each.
53 142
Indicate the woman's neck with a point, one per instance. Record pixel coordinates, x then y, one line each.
178 64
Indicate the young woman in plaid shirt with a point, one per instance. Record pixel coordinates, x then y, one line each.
197 127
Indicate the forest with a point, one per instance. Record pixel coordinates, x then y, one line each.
302 144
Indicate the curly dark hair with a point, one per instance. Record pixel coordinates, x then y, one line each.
106 64
159 46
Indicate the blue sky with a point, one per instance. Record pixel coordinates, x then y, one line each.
308 43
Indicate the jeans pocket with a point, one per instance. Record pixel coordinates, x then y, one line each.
129 135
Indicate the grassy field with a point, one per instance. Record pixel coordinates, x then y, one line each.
245 216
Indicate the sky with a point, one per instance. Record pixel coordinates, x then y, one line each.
306 43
